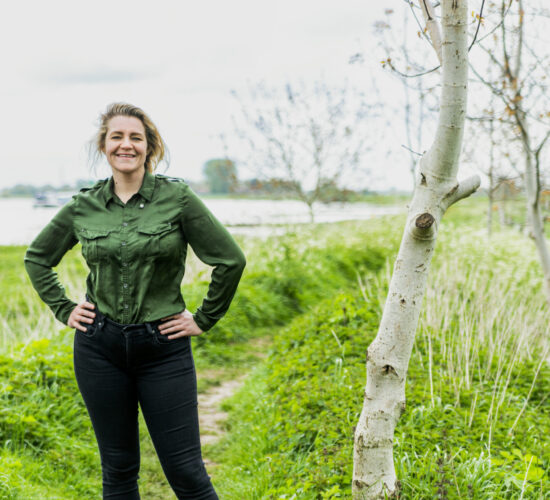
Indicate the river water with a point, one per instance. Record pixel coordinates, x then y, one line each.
21 222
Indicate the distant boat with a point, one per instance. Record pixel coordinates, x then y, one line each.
51 199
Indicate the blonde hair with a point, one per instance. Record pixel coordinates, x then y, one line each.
156 147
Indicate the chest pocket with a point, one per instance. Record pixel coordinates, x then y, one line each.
95 244
160 240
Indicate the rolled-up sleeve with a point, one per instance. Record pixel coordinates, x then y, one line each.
45 253
214 246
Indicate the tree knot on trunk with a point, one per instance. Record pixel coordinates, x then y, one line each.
389 369
424 221
423 179
359 484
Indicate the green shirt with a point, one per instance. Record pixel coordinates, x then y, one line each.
136 252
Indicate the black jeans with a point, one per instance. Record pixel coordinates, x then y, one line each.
118 366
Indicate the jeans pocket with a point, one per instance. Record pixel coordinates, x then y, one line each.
161 339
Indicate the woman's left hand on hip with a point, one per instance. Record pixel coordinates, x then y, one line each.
179 325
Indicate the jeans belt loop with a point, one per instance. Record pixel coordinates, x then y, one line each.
149 328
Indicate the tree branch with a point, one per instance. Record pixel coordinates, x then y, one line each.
488 34
412 6
520 40
404 75
463 190
478 25
493 89
432 26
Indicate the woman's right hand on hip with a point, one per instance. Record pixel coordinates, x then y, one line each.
82 313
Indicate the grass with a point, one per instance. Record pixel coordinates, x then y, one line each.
478 390
47 449
478 387
483 344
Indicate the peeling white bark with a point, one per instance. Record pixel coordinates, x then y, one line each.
436 189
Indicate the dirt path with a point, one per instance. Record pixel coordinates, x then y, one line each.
211 416
221 384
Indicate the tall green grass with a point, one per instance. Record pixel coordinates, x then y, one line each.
478 388
476 424
47 449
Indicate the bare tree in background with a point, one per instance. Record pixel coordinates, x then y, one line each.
522 58
436 189
312 138
490 136
419 91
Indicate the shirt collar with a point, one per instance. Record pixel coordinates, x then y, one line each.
145 191
147 187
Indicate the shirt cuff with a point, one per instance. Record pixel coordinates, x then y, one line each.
202 321
64 313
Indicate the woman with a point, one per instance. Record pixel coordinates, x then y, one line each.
132 338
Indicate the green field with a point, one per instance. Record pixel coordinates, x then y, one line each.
476 424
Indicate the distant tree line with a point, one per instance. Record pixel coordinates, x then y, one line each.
222 178
30 190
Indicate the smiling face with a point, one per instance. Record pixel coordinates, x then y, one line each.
125 144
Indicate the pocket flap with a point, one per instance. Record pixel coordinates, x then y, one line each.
92 234
156 229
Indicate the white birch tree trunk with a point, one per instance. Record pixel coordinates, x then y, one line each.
436 189
534 214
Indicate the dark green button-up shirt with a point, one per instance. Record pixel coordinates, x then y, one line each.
136 252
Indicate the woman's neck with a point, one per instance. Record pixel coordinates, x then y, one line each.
126 185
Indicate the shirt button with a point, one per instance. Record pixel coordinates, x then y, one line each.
125 285
125 306
123 243
124 224
124 264
141 205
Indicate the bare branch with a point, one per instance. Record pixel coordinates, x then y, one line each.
478 25
404 75
410 150
495 90
494 60
520 40
412 6
542 144
506 66
432 27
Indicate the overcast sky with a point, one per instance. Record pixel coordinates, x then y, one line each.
64 61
